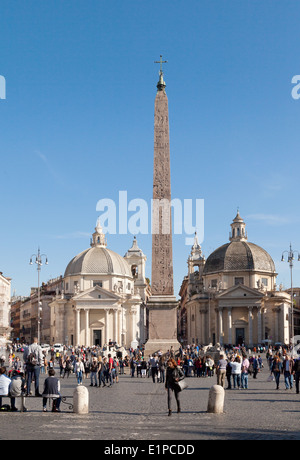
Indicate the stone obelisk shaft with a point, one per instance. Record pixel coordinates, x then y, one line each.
162 257
162 304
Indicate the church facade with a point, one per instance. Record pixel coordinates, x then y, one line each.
103 298
5 297
232 297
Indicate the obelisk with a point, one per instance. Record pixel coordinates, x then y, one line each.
162 305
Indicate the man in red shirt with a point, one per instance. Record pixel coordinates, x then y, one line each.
110 369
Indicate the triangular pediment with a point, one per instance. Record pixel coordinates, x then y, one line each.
240 291
96 293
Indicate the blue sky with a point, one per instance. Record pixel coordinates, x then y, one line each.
77 122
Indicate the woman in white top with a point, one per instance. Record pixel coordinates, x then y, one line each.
236 369
79 370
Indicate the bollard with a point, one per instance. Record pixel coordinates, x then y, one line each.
81 400
216 399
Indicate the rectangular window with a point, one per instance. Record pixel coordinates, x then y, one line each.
264 281
97 283
214 283
238 280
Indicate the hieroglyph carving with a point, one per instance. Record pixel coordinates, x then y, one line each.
162 259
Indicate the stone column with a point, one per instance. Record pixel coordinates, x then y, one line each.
276 311
115 337
123 325
107 326
120 327
264 311
250 327
230 325
203 337
78 326
87 327
259 336
220 325
133 322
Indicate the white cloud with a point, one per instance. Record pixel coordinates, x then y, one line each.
269 219
73 235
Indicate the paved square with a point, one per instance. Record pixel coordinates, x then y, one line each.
136 409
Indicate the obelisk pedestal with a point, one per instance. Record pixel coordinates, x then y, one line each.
162 312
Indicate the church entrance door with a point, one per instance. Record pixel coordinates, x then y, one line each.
97 337
240 336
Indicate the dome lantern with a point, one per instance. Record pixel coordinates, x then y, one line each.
98 238
238 229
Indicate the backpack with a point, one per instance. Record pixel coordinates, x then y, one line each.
32 359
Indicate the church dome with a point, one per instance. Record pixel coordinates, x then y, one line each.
98 260
239 254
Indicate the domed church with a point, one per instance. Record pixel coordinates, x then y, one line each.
104 297
232 297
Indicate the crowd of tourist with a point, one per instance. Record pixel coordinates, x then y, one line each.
231 365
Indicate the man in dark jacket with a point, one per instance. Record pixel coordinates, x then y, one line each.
52 390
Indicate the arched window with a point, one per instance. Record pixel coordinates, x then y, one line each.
134 271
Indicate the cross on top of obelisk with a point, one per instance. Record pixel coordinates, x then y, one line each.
161 84
161 62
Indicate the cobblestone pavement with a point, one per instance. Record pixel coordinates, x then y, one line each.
136 409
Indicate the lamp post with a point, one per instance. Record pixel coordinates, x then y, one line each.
39 261
290 258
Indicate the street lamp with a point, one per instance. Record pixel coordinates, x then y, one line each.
290 258
39 261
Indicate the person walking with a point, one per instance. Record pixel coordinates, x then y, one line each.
244 374
94 371
79 370
101 372
255 366
68 367
228 374
210 366
33 358
162 369
236 370
173 375
297 373
221 371
153 365
110 370
287 368
276 370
